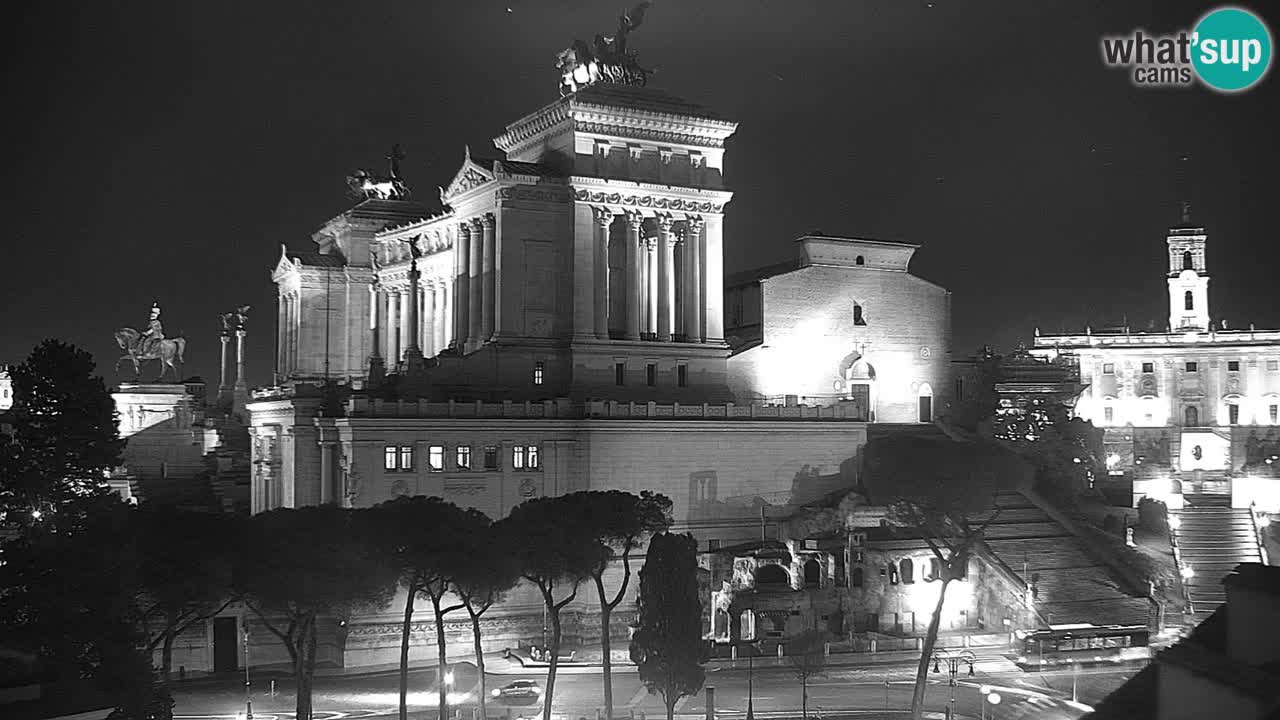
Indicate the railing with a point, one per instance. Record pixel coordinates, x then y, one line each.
729 411
367 407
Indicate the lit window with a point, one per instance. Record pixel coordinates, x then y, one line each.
1193 367
1148 367
389 458
1108 368
1108 414
619 373
463 457
406 457
531 455
517 457
525 457
682 375
1233 365
435 458
539 368
490 458
651 374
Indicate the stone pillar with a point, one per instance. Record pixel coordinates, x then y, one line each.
393 325
375 297
446 315
603 218
666 278
222 369
462 286
651 276
427 311
241 386
404 317
475 307
713 279
327 494
488 299
282 329
441 340
634 272
413 319
693 264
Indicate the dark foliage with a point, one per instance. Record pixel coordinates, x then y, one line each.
667 645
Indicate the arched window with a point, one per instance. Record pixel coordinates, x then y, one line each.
860 261
1188 301
1188 263
1191 416
855 577
812 573
771 575
935 569
908 570
857 316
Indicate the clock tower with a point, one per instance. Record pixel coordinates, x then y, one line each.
1188 278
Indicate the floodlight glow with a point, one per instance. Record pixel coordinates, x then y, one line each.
993 698
1112 460
1175 522
448 678
1188 573
36 514
1264 520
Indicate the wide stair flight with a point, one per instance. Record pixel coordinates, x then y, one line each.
1212 539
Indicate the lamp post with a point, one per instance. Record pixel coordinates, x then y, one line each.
988 696
248 698
953 662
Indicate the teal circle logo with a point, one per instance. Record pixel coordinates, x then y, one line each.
1231 49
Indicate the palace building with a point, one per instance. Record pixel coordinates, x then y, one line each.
1198 403
558 323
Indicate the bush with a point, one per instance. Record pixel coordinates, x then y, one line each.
1153 515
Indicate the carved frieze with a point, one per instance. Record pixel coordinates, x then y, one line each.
519 192
647 133
648 201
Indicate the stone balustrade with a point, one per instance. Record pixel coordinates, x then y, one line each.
595 409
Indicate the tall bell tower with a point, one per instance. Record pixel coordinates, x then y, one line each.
1188 277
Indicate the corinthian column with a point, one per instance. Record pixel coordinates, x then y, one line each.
488 299
693 274
403 319
393 324
476 283
666 277
603 218
462 286
651 286
634 274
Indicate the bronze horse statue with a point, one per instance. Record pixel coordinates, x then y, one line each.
165 351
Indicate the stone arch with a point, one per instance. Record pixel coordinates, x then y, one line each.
812 573
1191 416
859 260
1188 300
747 625
772 575
1188 261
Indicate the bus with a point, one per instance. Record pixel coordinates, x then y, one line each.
1082 643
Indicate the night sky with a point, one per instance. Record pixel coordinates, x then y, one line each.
164 150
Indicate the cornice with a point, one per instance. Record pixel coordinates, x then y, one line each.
533 125
645 196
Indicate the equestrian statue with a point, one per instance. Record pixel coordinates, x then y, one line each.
150 344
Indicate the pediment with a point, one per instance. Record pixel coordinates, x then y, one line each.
470 176
284 266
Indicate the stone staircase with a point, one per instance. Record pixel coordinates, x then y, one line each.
1212 539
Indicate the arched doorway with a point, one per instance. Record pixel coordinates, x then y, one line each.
1191 416
812 573
772 576
860 385
747 625
924 398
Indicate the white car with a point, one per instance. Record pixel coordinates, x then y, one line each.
518 690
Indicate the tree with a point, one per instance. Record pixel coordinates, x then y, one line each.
807 655
556 553
620 521
64 438
931 487
423 535
493 569
667 646
185 573
301 566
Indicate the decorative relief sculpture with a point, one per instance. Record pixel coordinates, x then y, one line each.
648 201
150 344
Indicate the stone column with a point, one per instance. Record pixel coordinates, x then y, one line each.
222 369
282 325
293 333
413 324
651 275
374 298
634 274
446 315
666 277
427 311
488 299
437 304
603 218
461 285
475 307
713 279
393 325
404 316
693 274
327 494
241 387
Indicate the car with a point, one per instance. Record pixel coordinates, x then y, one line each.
518 690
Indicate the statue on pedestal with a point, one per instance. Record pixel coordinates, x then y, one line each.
150 344
607 59
365 184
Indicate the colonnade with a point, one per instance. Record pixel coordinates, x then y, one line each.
390 320
652 283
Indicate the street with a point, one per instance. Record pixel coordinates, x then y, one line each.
774 688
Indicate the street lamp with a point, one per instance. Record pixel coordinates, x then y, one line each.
989 696
953 662
248 698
